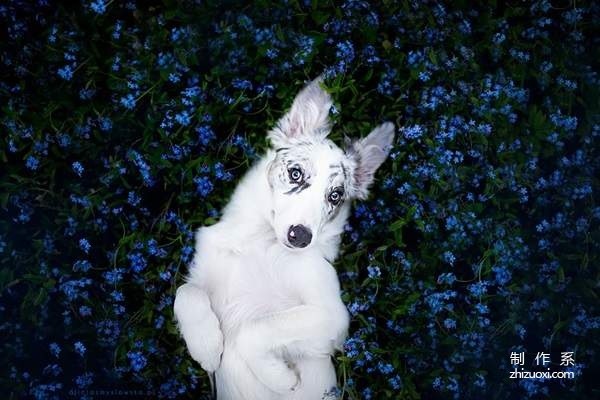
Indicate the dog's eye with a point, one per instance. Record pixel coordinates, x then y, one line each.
295 174
335 197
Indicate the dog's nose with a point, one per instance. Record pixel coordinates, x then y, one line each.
299 236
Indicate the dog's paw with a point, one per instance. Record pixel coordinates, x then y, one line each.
199 326
278 376
275 373
293 368
207 350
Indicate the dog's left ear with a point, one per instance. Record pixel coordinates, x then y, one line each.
368 154
308 118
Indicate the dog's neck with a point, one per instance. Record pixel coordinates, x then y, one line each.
248 214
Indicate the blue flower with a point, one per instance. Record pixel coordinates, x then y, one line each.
66 72
205 134
32 163
387 84
203 186
374 271
478 289
498 38
113 277
143 167
82 265
116 35
395 382
503 276
367 394
117 296
85 380
85 311
241 142
134 199
186 253
78 168
79 348
412 132
138 262
449 323
452 223
449 257
137 360
159 322
573 15
85 245
154 250
174 77
345 55
63 140
128 101
438 301
54 349
424 76
482 308
272 53
519 55
220 172
165 276
98 6
105 124
183 118
241 84
447 278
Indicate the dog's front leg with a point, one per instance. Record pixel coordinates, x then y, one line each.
269 367
301 331
199 326
306 330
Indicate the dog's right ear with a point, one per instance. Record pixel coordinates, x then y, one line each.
368 154
307 119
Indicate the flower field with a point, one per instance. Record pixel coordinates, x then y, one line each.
125 125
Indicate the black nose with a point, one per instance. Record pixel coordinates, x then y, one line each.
299 236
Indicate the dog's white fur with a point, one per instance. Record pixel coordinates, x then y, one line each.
266 317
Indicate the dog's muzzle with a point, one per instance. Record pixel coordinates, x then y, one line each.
299 236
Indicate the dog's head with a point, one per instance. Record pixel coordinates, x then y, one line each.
312 180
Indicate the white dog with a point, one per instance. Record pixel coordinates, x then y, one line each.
261 307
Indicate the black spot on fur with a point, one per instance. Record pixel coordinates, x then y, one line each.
299 188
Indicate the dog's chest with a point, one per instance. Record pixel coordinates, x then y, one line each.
258 285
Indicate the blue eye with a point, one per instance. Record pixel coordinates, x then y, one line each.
295 174
335 197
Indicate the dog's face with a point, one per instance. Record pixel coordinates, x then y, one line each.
310 184
311 179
